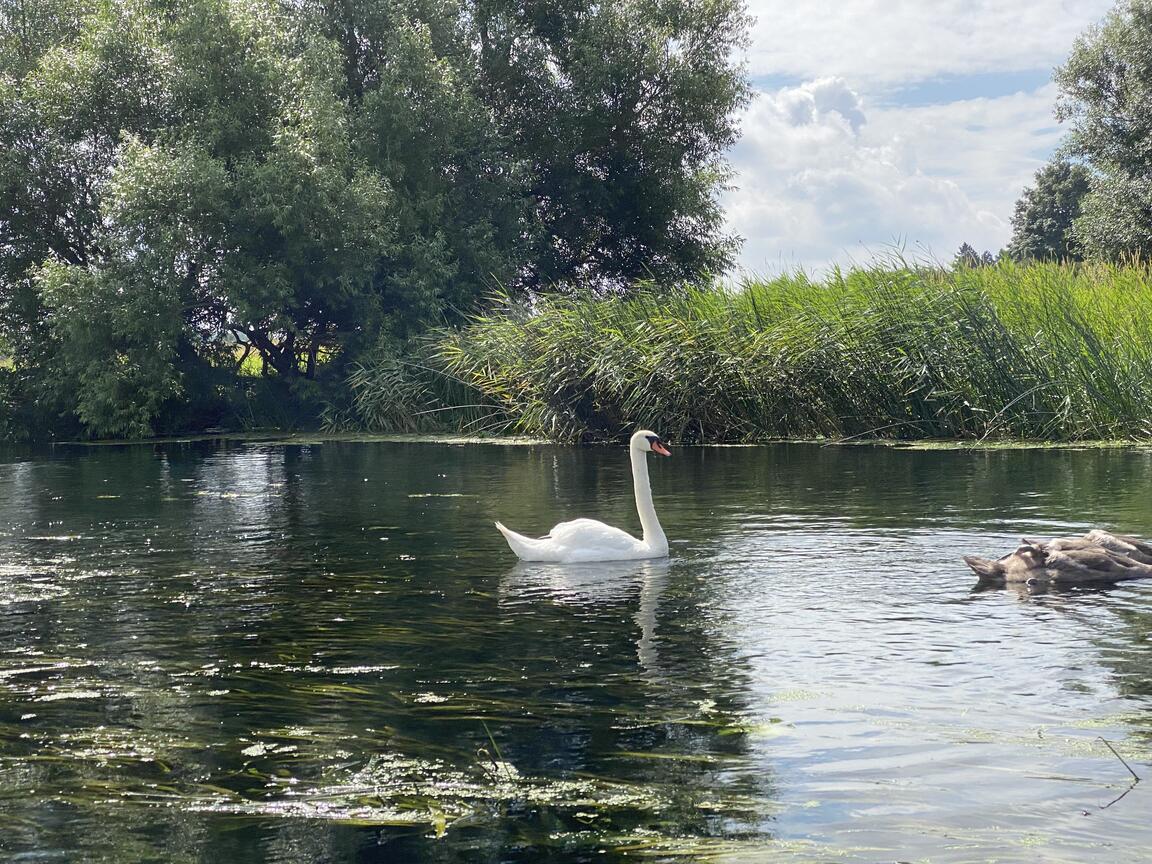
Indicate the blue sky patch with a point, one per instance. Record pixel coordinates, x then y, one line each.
956 88
936 91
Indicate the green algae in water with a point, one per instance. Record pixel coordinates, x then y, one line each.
254 672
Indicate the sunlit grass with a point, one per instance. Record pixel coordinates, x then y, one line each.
1038 351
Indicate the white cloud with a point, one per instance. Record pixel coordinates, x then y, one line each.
877 43
853 161
823 178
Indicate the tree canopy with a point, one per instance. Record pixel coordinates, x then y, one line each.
1106 94
1043 222
188 187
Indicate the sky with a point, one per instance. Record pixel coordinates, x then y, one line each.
882 125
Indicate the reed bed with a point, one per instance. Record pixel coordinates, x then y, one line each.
1037 351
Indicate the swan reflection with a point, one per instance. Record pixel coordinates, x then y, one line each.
605 583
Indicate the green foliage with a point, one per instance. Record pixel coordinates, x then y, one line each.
1042 223
1116 220
61 122
10 426
29 28
967 256
459 190
411 390
1106 89
116 346
624 111
1035 351
182 185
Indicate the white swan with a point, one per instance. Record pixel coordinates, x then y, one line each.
589 540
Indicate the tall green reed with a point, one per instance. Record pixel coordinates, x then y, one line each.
1044 351
412 391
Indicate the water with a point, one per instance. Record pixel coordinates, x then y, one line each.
326 653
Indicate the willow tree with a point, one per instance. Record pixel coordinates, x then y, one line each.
552 143
191 188
227 207
72 82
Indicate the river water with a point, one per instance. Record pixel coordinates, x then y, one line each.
256 652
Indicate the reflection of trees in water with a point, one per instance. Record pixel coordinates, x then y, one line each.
238 594
1124 649
872 485
1117 621
631 645
274 556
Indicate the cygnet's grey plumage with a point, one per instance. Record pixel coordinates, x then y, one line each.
1096 557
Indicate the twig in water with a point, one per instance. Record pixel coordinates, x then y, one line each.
872 432
499 755
1108 744
1120 796
1135 776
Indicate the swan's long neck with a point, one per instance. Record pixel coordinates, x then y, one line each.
653 533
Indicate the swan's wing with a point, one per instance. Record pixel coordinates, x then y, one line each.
1136 543
577 541
1069 544
591 534
527 548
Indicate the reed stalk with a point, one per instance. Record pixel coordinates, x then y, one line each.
1034 351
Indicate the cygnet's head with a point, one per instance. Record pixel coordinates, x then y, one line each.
1031 553
647 441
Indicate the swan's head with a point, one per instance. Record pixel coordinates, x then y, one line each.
646 441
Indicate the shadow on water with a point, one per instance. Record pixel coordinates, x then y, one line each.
326 653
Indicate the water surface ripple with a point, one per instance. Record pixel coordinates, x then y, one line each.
325 652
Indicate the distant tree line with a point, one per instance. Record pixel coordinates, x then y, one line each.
1094 199
202 200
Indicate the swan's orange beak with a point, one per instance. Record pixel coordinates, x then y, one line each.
658 447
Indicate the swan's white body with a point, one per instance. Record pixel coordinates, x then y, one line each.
589 540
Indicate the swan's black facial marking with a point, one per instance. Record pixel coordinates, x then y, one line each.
656 445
